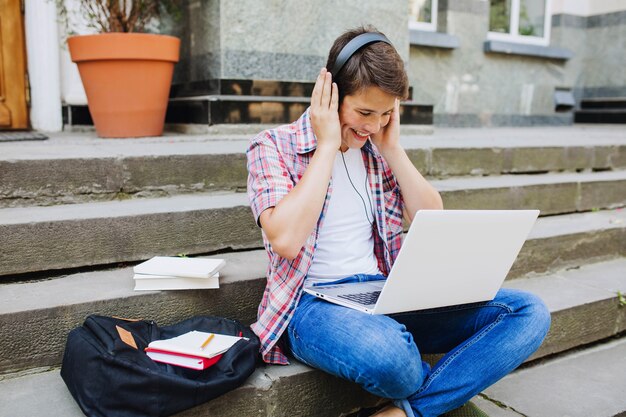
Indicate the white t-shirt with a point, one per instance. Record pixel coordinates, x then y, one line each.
345 245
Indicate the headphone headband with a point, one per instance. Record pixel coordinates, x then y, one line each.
354 45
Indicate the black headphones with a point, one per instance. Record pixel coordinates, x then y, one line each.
354 45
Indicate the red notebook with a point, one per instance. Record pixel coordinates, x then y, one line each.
181 359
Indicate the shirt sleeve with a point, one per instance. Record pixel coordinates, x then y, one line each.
268 177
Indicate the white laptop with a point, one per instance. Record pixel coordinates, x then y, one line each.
448 257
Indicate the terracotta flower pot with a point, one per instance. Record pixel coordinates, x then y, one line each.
127 78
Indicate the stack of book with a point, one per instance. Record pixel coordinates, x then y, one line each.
195 350
175 273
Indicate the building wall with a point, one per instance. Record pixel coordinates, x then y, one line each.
284 40
469 87
599 40
586 7
602 73
288 40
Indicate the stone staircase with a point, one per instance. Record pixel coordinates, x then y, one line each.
77 212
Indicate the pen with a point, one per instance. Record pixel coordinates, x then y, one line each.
208 339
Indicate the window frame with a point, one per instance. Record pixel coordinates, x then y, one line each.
514 36
427 27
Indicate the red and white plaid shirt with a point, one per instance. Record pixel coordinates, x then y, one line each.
277 159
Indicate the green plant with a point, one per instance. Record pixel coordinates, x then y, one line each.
621 299
122 15
499 16
526 28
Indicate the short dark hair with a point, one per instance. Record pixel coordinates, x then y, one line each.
377 64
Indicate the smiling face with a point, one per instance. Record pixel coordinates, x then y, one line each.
363 114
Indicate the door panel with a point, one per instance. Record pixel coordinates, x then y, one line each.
13 108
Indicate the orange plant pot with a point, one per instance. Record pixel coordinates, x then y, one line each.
127 78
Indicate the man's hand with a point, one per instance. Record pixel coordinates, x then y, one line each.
388 137
325 112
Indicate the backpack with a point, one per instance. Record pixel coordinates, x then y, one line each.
107 377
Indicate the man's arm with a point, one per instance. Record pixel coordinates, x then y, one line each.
291 221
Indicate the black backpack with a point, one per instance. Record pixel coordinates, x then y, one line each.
109 378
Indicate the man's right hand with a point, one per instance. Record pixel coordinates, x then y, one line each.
325 111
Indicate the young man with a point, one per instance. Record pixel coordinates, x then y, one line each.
330 192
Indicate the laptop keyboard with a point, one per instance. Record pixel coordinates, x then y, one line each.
365 298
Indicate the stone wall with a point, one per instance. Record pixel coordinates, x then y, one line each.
199 68
289 40
283 40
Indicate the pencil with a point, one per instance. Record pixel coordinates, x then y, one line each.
208 339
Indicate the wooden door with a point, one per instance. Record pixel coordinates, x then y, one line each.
13 108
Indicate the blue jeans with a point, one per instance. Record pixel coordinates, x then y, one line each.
482 343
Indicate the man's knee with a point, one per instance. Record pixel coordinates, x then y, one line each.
539 315
535 317
395 372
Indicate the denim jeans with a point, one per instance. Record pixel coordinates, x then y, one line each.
482 343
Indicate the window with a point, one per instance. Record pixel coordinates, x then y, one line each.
524 21
423 15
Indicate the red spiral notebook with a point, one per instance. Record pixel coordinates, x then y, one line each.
194 349
181 359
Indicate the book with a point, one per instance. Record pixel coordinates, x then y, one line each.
144 282
179 359
180 267
191 343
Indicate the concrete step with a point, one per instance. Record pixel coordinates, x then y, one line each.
272 391
87 234
583 301
551 193
71 168
569 241
584 307
76 169
49 308
76 235
585 383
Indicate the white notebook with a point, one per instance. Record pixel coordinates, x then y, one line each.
190 344
180 267
144 282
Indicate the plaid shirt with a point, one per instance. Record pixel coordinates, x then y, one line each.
277 159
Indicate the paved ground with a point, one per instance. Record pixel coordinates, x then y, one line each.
588 383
